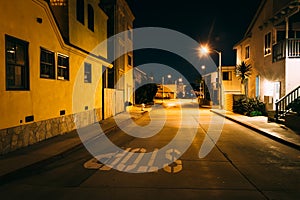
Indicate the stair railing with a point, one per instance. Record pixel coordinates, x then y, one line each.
281 104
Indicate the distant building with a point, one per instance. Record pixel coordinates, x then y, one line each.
168 91
271 45
120 77
230 86
211 84
45 53
141 78
230 82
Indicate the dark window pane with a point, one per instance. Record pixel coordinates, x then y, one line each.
19 76
20 57
47 65
63 67
80 11
226 76
17 69
129 60
90 17
10 52
87 73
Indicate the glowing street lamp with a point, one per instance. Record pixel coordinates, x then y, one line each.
169 78
204 50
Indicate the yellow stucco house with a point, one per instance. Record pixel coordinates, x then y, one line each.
231 86
50 74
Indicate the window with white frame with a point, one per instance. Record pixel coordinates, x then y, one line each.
87 73
62 67
267 47
247 52
47 64
227 76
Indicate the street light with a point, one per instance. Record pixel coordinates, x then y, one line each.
169 77
162 82
205 50
179 87
203 81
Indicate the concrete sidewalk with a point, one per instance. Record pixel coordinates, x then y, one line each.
31 157
261 125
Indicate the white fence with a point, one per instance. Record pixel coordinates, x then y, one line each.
113 102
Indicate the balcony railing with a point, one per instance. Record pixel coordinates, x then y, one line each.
289 48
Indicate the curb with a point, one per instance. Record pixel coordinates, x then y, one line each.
264 133
37 167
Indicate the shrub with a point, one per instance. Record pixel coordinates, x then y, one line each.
145 93
250 107
295 106
255 113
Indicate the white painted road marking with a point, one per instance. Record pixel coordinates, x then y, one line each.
118 160
137 160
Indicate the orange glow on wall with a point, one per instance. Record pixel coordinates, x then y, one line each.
58 2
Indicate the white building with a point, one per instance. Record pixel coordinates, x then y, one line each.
272 46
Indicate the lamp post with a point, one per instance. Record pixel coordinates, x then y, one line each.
220 78
162 83
179 87
203 82
205 50
169 78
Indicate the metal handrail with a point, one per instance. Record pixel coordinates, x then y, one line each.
281 104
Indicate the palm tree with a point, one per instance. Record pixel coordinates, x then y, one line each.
243 72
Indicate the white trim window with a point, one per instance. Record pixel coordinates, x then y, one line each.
47 64
87 72
267 47
62 67
247 52
227 76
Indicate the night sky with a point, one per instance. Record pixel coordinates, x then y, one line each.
220 23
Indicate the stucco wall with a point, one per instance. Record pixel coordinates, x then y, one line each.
83 37
82 102
292 74
232 86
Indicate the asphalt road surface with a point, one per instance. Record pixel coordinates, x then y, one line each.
177 152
